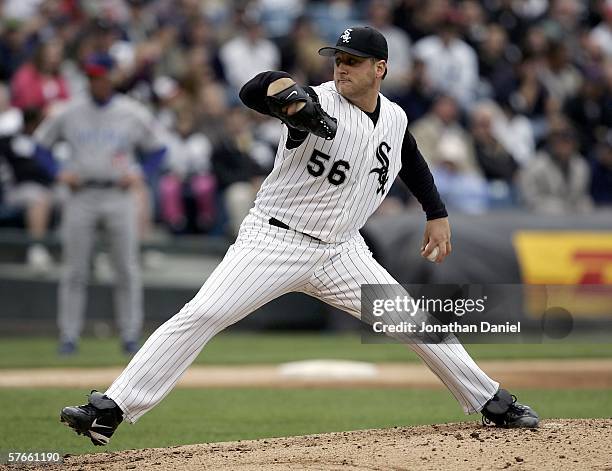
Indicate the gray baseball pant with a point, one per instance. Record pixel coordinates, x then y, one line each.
116 210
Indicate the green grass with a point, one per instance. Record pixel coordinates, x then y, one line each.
29 417
238 348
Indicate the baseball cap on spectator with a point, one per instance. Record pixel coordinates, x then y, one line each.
103 25
165 88
99 65
452 17
11 24
138 3
607 10
360 41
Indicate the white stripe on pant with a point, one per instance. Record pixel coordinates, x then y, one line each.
265 263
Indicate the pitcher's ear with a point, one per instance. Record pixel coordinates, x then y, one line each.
383 64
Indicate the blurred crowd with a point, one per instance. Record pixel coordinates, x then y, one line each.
510 101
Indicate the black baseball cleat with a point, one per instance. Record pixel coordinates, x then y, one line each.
98 419
503 411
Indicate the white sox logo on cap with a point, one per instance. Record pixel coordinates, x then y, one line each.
346 36
361 41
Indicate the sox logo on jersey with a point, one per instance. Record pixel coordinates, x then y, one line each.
383 171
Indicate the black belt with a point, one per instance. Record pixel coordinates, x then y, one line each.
282 225
99 184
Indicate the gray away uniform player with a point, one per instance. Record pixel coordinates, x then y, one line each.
103 132
303 235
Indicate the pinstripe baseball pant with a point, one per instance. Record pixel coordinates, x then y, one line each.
265 263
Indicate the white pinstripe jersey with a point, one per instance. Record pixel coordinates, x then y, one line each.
328 189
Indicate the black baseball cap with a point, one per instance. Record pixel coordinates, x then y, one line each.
360 41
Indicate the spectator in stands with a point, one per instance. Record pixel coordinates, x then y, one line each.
591 55
528 96
474 27
497 62
266 131
200 32
164 56
607 70
419 97
30 186
333 16
602 33
496 59
441 121
278 17
188 177
495 163
462 190
212 109
506 14
247 54
529 10
419 19
557 181
140 22
235 167
13 46
20 10
562 22
591 109
397 79
487 124
183 11
200 38
299 53
516 134
199 72
11 118
601 169
38 83
452 64
169 99
534 43
560 77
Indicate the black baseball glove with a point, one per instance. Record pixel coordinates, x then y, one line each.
311 118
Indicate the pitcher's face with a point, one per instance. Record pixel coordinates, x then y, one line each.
355 75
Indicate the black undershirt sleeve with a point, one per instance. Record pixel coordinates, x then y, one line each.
419 180
253 94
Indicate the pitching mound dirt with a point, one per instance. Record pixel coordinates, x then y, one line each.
558 444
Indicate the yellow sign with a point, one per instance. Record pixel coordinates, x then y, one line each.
555 257
580 259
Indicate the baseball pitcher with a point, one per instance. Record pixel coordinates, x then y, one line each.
342 146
